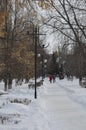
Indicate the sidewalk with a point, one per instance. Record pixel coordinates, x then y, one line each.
62 113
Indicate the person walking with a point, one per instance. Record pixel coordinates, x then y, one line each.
50 78
54 78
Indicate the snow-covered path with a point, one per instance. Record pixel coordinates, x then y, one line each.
59 106
62 111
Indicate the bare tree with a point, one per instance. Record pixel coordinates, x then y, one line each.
68 18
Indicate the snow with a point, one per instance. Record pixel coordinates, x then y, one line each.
59 106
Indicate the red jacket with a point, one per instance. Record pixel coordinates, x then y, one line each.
51 77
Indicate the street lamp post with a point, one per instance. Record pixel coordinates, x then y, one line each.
35 94
43 63
35 35
42 67
43 46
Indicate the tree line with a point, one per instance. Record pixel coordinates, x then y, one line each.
17 47
67 21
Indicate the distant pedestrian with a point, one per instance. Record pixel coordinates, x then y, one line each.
50 78
61 76
54 78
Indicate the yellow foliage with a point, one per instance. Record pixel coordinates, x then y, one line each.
2 33
2 67
43 4
22 54
2 23
56 53
25 57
